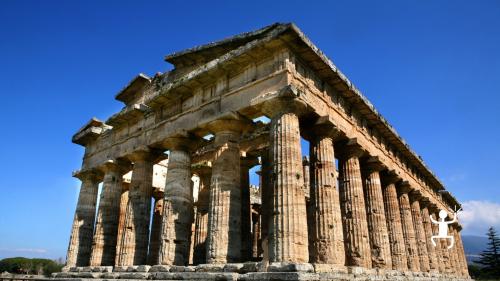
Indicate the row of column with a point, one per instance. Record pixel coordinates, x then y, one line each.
364 221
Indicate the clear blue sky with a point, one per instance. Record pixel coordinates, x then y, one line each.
432 68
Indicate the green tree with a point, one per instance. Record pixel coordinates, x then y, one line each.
490 258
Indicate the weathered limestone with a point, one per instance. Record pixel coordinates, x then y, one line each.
246 216
431 251
106 229
201 224
352 203
356 229
178 205
377 224
461 252
288 240
420 237
135 236
224 211
80 241
326 235
155 237
441 259
408 229
394 226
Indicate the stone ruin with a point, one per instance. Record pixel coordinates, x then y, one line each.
358 208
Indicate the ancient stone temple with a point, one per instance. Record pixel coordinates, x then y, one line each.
176 200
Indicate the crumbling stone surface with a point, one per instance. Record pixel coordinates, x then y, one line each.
209 111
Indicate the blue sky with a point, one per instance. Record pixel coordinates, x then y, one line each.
431 68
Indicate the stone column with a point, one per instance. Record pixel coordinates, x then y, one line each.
135 237
246 216
326 225
178 204
266 194
307 176
155 238
427 225
377 223
121 219
455 264
461 252
394 226
106 230
224 212
352 203
420 237
201 224
288 239
408 229
441 258
80 241
256 249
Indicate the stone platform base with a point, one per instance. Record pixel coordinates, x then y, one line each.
250 271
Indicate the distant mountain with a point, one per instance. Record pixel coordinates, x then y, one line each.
473 246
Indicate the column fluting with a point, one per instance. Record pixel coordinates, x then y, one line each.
106 229
326 225
135 235
201 224
177 206
408 229
352 203
431 250
82 229
394 226
420 237
377 223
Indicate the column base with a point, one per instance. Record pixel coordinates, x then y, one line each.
247 271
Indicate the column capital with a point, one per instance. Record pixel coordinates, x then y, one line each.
351 149
323 127
306 161
373 164
182 142
390 177
232 122
284 101
404 187
142 154
94 175
202 169
425 202
415 195
113 165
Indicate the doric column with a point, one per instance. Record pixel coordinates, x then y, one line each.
420 237
288 239
455 263
80 241
460 251
408 229
246 217
256 249
155 238
267 204
178 204
394 226
441 258
224 211
377 223
306 163
201 224
352 203
135 235
121 220
326 225
427 225
106 229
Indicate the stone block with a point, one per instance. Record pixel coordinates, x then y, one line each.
321 267
120 269
249 267
210 268
134 275
290 267
160 268
86 269
233 267
110 275
143 268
